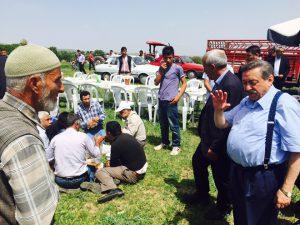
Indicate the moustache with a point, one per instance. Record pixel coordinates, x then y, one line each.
251 92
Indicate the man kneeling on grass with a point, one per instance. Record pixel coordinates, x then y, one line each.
68 151
127 162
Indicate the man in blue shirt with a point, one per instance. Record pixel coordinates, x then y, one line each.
91 115
169 76
260 182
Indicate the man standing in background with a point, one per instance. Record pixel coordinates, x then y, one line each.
3 57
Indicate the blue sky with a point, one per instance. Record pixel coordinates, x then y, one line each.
185 24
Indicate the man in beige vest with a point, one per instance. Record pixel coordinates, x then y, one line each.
28 194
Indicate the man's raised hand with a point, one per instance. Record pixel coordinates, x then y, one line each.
219 99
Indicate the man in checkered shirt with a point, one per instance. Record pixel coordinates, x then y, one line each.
91 115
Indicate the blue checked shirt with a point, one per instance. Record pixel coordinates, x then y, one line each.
86 114
246 140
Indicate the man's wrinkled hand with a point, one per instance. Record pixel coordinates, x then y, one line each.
219 99
281 200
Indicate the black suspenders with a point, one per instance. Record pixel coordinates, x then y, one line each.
270 129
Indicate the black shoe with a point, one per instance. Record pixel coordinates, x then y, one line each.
91 186
215 213
195 198
111 195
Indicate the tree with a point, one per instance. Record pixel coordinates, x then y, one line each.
197 59
54 50
99 53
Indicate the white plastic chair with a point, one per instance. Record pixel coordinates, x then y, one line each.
150 81
119 94
116 78
94 77
79 75
194 83
185 108
72 94
144 100
155 102
127 79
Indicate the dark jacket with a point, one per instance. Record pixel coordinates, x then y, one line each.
121 63
126 151
284 67
210 135
2 76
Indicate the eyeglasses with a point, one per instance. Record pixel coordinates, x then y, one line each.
250 82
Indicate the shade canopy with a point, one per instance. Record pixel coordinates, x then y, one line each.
287 33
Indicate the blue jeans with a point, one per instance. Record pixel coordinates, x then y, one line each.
73 183
168 117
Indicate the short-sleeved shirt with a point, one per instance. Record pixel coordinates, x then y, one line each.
246 140
170 83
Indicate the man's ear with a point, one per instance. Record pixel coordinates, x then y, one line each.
271 79
33 83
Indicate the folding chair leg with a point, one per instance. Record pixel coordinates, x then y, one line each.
155 114
140 109
184 118
150 112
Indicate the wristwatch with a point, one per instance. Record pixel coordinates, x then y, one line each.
286 193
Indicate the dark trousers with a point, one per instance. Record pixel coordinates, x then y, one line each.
278 82
220 171
81 68
91 64
253 193
168 118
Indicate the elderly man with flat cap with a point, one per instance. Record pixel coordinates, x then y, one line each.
28 194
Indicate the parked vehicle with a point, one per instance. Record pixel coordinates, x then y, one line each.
236 54
190 68
141 69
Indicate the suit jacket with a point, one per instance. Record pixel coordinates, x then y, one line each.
284 67
211 136
2 76
121 63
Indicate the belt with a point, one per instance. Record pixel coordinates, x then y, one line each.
260 167
77 177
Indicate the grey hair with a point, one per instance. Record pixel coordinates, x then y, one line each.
19 83
42 114
265 68
216 57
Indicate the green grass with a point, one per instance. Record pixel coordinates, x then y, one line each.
155 200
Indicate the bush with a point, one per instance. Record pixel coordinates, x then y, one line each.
197 59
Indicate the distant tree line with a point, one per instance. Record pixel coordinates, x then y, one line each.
67 55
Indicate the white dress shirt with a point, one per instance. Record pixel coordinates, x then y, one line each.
69 150
276 66
81 58
43 135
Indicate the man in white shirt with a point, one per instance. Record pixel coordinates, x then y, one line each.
45 122
68 150
81 61
134 124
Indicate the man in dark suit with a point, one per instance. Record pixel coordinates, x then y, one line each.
212 148
124 62
281 67
3 57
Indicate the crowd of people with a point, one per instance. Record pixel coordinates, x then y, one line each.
248 130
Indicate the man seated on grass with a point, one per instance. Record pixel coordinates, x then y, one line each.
45 122
127 162
91 115
134 124
68 150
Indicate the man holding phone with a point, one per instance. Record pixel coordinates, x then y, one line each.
168 77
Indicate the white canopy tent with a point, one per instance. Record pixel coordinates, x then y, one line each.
287 33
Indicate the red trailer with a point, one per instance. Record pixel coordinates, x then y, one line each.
236 54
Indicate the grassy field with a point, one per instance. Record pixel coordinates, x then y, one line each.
155 200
